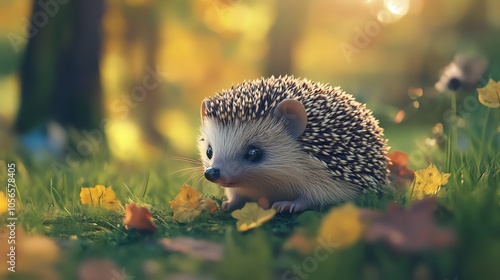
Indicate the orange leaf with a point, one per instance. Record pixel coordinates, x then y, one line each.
208 205
138 217
401 176
399 158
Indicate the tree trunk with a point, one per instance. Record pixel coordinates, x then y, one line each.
60 78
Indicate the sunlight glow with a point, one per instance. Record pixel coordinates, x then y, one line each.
397 7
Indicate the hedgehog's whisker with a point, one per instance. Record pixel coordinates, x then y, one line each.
198 181
194 176
184 159
189 169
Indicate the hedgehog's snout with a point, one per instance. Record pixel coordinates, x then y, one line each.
212 174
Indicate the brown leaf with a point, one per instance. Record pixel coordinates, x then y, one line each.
138 217
200 249
411 230
100 270
34 255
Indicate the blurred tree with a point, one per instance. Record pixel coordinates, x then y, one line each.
60 79
285 32
141 41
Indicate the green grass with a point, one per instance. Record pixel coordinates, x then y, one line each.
470 205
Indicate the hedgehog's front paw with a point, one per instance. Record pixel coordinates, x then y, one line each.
297 205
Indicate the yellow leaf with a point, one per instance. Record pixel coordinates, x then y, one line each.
342 226
186 215
252 216
187 197
3 203
489 95
100 196
428 181
186 204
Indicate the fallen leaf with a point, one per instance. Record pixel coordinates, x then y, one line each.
398 158
401 176
138 217
3 203
186 204
187 197
100 196
208 205
103 269
35 255
489 95
428 181
186 215
200 249
412 230
252 216
342 226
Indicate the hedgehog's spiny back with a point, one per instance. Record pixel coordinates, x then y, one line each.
340 132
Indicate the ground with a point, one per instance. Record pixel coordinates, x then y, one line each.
94 239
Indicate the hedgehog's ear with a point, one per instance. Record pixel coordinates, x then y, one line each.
203 112
294 114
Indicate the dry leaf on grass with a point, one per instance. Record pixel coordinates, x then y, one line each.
428 181
187 197
100 196
138 217
401 175
411 230
186 215
188 204
252 216
200 249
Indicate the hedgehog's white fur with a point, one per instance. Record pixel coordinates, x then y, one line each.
340 153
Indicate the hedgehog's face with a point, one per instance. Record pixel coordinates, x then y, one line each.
249 154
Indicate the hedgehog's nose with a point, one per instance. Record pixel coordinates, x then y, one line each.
212 174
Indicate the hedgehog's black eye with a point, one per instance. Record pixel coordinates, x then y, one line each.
210 152
253 154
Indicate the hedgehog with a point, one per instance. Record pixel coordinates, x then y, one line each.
296 143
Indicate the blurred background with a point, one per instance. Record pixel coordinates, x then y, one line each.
126 78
